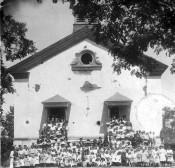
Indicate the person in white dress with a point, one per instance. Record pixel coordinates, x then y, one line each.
156 157
129 157
162 154
11 158
116 159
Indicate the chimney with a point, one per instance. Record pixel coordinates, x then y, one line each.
82 22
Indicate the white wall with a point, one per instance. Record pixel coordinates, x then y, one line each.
47 23
56 77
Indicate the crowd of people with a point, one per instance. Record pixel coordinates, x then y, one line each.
121 146
52 132
121 129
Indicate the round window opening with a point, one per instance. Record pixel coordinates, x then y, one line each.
86 58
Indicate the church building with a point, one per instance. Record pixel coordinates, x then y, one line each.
73 79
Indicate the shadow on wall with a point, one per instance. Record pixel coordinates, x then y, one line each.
43 118
104 119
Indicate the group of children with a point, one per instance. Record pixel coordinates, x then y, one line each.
55 130
121 129
121 146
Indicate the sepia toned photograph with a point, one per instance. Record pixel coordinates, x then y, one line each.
87 83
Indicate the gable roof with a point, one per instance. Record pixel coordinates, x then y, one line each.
56 99
117 97
67 42
118 100
51 50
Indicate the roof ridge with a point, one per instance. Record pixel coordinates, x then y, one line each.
118 95
41 52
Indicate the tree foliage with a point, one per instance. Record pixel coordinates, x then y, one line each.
131 27
7 135
7 122
15 45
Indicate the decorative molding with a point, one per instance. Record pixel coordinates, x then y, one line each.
118 103
56 104
37 87
78 65
87 86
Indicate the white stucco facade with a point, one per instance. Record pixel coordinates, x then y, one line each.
56 77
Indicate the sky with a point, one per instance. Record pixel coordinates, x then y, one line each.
49 22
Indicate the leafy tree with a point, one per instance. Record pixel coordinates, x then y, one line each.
131 27
14 46
7 136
